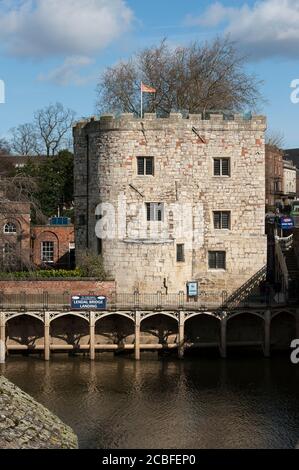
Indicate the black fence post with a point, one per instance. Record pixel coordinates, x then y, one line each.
181 299
45 300
159 300
66 301
1 299
136 300
23 301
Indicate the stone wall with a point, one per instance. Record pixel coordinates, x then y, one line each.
106 154
25 424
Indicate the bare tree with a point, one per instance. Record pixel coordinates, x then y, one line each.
195 79
24 140
275 139
4 147
53 124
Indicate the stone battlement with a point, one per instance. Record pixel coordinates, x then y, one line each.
151 121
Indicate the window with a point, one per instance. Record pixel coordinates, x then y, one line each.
217 260
222 220
180 254
155 211
10 228
47 254
145 165
221 167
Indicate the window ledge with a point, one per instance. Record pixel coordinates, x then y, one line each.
217 270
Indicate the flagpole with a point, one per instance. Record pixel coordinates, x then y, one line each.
141 101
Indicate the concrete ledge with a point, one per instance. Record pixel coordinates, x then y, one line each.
26 424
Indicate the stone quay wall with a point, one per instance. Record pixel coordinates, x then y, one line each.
106 152
26 424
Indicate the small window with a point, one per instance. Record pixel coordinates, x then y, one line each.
145 165
10 228
81 219
180 254
221 167
47 254
222 220
217 260
155 211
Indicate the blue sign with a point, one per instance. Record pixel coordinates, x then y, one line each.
286 223
192 289
89 302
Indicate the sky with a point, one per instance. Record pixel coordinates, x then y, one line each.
55 50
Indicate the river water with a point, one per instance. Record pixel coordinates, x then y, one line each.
114 402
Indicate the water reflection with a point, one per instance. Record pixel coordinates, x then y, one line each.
195 403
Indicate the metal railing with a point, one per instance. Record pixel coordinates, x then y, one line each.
282 265
206 300
286 243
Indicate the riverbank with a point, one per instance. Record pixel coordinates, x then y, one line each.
26 424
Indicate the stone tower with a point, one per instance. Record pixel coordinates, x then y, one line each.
186 199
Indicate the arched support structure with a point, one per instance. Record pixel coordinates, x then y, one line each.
181 335
137 335
267 340
92 325
223 339
201 330
47 336
159 330
156 334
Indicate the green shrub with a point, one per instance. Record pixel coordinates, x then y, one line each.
43 274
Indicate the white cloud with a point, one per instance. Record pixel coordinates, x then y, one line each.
43 28
268 28
69 72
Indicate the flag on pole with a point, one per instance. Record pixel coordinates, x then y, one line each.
145 89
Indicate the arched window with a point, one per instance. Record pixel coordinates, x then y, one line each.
10 228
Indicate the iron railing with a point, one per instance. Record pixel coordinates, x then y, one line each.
159 301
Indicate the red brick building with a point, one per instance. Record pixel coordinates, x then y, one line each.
14 234
53 245
274 176
23 245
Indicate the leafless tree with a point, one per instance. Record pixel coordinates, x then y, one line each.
24 140
275 139
53 124
194 79
4 147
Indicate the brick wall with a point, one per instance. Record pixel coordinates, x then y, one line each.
17 213
59 286
274 175
61 236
